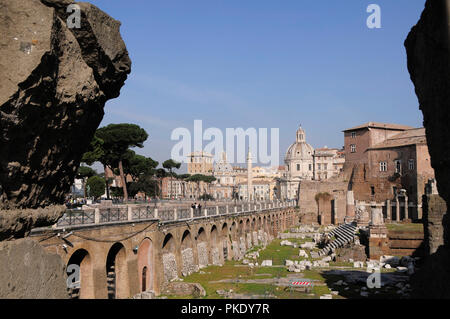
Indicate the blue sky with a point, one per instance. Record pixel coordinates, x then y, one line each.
263 64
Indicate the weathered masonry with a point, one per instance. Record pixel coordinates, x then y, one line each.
122 251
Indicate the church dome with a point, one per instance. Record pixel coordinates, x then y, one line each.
300 150
222 166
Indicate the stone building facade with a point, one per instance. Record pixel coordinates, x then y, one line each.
328 162
397 166
359 138
305 163
200 163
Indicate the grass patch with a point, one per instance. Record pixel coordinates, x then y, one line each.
414 227
278 254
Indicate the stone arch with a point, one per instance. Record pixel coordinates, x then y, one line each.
85 288
254 231
241 239
202 248
248 233
214 245
187 254
226 241
168 258
146 264
117 272
234 240
241 228
233 231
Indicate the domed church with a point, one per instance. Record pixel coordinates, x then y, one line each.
299 162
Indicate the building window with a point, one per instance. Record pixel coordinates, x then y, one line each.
310 167
325 166
353 134
353 148
398 166
318 167
383 166
298 167
411 164
394 190
372 190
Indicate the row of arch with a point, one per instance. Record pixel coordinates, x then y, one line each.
130 268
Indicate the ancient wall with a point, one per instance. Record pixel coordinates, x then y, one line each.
167 254
202 254
428 52
187 257
309 206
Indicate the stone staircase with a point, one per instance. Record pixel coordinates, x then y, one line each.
344 234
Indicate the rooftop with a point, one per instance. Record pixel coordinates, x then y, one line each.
405 138
387 126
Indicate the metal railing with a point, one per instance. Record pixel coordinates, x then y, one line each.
113 214
120 213
143 212
77 217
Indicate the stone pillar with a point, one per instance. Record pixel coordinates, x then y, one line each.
388 210
334 218
376 216
96 216
397 209
156 213
175 217
406 208
130 212
192 212
250 191
217 210
235 209
228 210
350 205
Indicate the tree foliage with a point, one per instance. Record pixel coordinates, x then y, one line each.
96 186
85 172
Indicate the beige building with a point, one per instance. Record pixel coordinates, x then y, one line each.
200 163
260 190
299 166
223 187
328 162
305 163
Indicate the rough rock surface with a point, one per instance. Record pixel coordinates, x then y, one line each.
202 250
170 267
187 257
184 289
428 50
17 223
28 271
54 83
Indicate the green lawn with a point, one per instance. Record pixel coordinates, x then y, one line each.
323 280
415 227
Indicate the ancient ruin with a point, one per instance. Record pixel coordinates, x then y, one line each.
56 77
428 49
